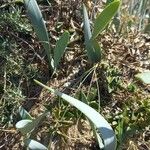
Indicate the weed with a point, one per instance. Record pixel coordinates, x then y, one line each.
14 69
10 101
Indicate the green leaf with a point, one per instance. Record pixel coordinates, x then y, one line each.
103 128
24 114
144 77
34 145
39 26
26 126
84 99
87 34
60 48
92 46
96 49
86 21
105 17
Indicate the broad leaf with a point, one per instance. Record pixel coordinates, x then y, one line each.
105 17
26 126
39 25
144 77
60 48
34 145
99 140
103 128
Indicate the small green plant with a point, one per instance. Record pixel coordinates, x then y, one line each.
13 19
42 33
104 133
93 49
129 119
28 126
10 101
113 79
100 23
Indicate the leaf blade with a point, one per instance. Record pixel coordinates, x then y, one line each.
60 48
91 45
102 126
26 126
34 145
97 50
105 17
24 114
87 34
39 25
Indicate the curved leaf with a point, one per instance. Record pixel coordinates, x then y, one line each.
104 130
101 145
105 17
39 25
24 126
60 48
34 145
